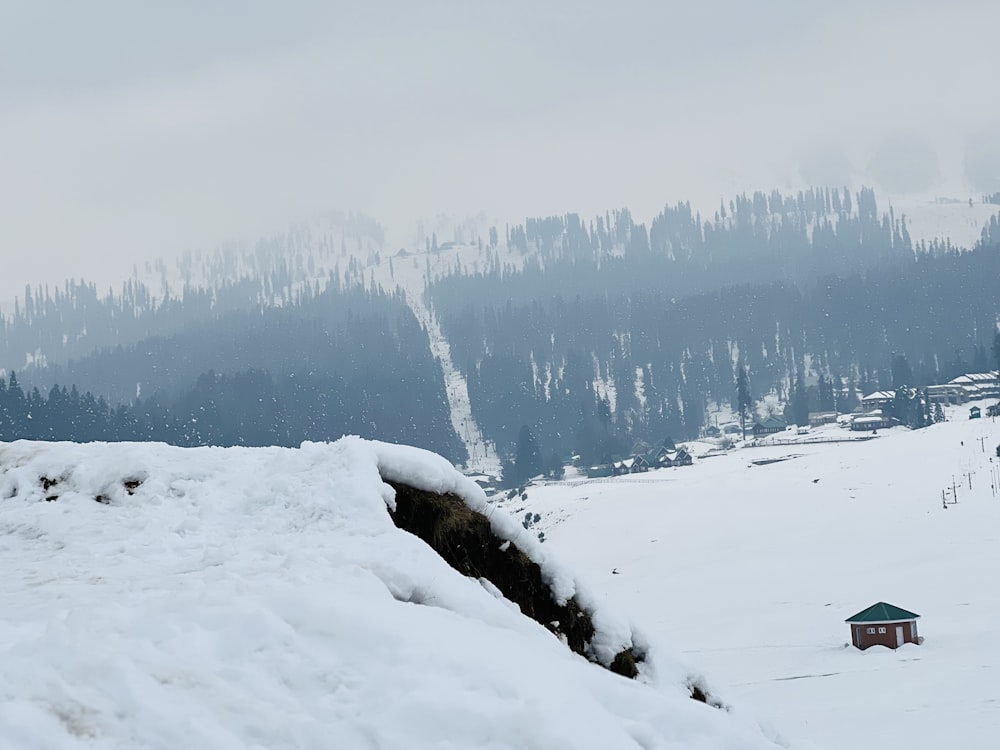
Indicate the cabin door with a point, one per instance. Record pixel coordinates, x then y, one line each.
899 636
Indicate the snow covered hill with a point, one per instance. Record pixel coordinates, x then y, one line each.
752 569
940 219
159 597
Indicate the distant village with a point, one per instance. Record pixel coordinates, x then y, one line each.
875 412
876 408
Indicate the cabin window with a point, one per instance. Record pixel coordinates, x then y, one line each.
871 631
881 630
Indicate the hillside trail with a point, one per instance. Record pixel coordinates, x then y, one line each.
482 453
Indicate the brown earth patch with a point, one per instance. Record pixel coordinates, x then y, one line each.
466 542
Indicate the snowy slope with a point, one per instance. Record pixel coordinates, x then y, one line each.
753 569
938 219
263 598
482 453
328 250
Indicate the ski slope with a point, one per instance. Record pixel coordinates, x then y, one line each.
482 453
753 569
930 219
263 598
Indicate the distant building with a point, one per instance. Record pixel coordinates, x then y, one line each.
817 418
883 625
598 472
946 394
659 458
977 385
631 465
682 458
874 421
970 387
639 464
877 400
768 426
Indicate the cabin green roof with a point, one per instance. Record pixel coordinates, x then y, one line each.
882 612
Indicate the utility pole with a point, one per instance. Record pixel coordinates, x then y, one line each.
982 443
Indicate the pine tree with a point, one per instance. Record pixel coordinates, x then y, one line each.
979 362
17 408
800 403
901 373
528 461
744 401
556 468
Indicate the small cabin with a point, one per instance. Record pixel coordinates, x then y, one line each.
639 464
974 413
883 625
878 400
682 458
822 417
769 426
659 458
618 468
873 421
600 471
630 465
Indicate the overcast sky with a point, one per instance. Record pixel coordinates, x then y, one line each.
131 130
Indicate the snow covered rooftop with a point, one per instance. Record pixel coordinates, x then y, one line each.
882 612
976 377
230 598
879 396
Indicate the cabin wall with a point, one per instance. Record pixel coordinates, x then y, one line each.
861 638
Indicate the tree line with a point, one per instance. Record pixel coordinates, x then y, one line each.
605 332
328 363
250 408
616 334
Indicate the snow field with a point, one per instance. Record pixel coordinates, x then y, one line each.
750 572
263 598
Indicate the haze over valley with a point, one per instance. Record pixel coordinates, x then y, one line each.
366 369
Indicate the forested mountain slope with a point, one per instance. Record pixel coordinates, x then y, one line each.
610 333
591 333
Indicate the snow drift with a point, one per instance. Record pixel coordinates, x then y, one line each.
160 597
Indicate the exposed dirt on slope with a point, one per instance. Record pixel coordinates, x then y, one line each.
465 540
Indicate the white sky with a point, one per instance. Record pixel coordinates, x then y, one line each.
135 130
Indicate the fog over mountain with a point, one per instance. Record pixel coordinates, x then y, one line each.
129 132
299 302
